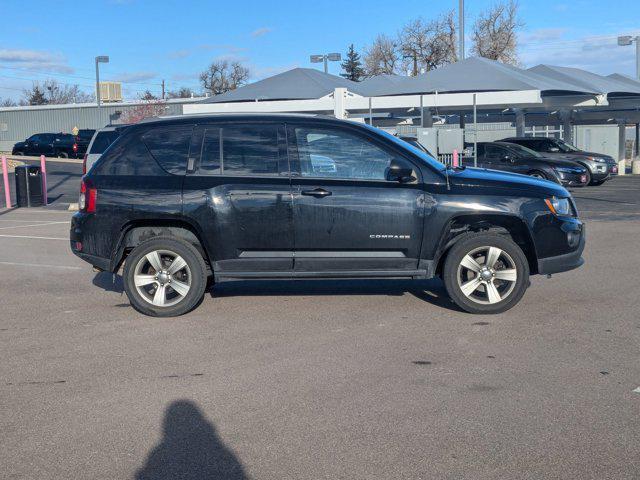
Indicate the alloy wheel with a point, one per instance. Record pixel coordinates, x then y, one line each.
487 275
162 278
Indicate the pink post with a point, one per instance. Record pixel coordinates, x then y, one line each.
5 176
43 169
455 157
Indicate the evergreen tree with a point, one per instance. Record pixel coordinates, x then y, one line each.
352 66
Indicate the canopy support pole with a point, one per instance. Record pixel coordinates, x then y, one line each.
475 131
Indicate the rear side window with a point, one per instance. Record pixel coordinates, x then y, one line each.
247 149
128 156
102 141
170 147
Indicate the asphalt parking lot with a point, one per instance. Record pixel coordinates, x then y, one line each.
321 379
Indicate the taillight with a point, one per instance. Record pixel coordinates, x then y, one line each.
84 163
75 148
88 199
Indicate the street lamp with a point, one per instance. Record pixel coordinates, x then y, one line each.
99 59
331 57
625 40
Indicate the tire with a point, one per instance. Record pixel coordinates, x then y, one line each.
482 299
169 302
62 155
595 183
18 154
589 180
538 174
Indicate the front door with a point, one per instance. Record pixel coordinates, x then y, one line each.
237 188
348 215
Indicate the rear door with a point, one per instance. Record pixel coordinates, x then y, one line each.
238 191
348 217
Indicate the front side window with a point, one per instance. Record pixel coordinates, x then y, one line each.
331 153
245 150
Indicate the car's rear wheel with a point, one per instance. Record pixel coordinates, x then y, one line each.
164 277
62 155
486 273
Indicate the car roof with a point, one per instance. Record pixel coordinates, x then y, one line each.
180 119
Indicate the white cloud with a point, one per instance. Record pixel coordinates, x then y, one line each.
134 77
178 54
261 31
35 60
600 55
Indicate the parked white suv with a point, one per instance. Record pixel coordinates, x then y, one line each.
99 143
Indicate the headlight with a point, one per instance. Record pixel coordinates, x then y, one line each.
597 159
558 206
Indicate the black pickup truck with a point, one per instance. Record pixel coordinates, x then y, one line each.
182 200
61 145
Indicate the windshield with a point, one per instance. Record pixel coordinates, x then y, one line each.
407 146
566 147
520 150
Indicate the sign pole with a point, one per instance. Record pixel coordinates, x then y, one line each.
5 176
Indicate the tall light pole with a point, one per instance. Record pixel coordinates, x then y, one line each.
628 40
461 28
99 59
329 57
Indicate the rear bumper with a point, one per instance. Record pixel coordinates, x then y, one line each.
565 262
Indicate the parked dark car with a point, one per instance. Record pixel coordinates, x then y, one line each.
61 145
181 199
515 158
82 140
600 167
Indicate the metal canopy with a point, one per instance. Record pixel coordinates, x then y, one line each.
295 84
612 87
474 74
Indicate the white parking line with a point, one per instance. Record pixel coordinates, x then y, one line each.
34 225
39 265
26 221
31 236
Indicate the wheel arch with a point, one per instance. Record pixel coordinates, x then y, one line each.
138 231
509 225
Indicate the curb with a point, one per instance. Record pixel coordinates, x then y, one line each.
73 207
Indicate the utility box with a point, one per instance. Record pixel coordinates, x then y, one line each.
604 139
428 137
450 139
29 186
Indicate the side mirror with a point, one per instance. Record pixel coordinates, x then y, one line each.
399 174
554 149
508 159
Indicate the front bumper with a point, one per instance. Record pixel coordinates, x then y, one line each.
567 261
572 179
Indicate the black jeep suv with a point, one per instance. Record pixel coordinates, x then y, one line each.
250 196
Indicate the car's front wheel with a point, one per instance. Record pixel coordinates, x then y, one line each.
165 277
486 273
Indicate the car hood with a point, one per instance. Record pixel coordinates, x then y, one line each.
576 155
558 161
506 183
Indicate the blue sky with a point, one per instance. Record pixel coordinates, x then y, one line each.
174 40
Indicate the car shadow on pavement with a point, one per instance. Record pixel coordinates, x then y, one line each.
431 291
190 449
110 282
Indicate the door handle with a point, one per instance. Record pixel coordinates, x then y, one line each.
316 192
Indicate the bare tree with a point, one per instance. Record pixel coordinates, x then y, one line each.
148 96
223 76
381 57
149 109
494 33
51 92
428 45
7 102
183 92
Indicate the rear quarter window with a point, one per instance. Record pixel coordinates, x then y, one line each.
128 156
102 141
169 146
